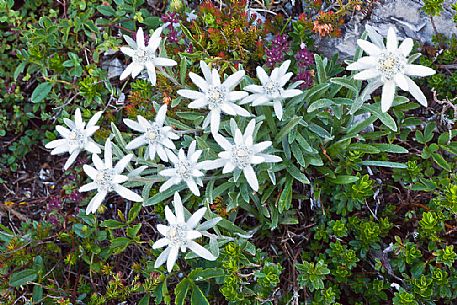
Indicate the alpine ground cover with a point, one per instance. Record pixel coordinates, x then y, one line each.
206 153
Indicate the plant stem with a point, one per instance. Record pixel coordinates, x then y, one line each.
169 77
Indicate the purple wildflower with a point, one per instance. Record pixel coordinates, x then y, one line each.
190 49
275 54
53 220
55 203
280 41
10 89
306 76
75 196
304 57
171 17
171 21
173 36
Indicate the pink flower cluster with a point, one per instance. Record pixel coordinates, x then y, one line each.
275 54
173 23
304 59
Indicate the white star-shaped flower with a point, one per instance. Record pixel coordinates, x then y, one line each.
144 57
185 168
243 154
107 178
155 135
216 96
179 234
75 139
388 66
272 91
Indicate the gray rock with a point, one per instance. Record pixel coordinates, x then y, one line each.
114 67
360 118
405 15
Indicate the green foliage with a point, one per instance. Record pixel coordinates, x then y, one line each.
446 256
441 56
364 199
404 298
433 7
312 275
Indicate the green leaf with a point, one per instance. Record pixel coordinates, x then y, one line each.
420 137
165 293
183 70
452 148
285 200
119 244
321 132
385 118
300 139
41 92
231 227
181 291
191 116
144 300
363 96
118 136
19 70
288 128
201 274
175 102
321 74
418 269
446 137
428 131
344 179
384 164
188 34
178 123
391 148
160 197
315 160
198 298
355 129
412 58
314 90
112 224
345 82
296 173
133 231
37 294
106 10
358 102
438 158
134 212
319 104
296 151
23 277
366 148
152 22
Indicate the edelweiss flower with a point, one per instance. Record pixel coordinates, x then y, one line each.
155 135
242 155
144 57
179 234
186 168
107 178
271 91
215 96
75 139
388 66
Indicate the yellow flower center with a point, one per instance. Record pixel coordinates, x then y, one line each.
389 64
241 156
216 96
